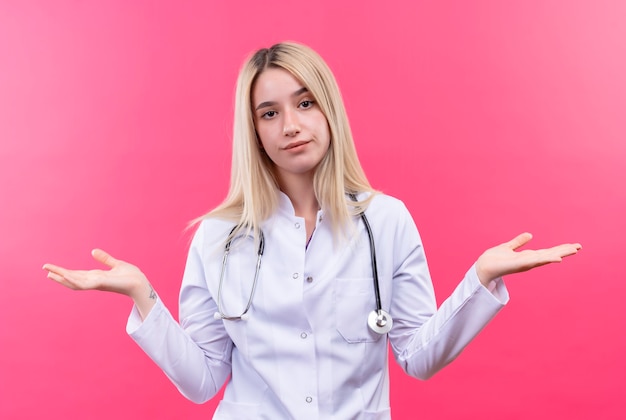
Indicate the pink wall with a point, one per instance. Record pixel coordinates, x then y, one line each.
487 118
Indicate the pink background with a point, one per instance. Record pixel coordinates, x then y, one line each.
487 118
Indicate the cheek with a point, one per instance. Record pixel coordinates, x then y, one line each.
261 136
267 130
326 132
259 142
265 142
323 129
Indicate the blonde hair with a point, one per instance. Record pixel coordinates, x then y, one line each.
253 195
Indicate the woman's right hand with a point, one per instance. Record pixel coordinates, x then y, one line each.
122 277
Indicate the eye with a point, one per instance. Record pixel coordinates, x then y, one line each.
268 115
306 104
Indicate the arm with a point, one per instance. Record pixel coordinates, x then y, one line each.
195 357
425 339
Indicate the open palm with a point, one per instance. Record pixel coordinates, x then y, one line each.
505 259
122 277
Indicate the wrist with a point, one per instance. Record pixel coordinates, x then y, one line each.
483 277
144 297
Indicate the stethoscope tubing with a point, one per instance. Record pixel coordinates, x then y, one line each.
378 320
220 314
379 305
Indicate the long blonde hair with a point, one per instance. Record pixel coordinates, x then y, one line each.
253 194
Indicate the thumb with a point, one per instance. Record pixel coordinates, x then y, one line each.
103 257
519 240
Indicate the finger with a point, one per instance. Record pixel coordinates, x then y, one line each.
551 255
56 277
566 250
519 240
63 280
103 257
51 268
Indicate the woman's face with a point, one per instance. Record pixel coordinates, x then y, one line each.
290 124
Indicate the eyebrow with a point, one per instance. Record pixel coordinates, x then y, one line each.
272 103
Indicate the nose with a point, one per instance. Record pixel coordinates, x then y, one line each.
291 124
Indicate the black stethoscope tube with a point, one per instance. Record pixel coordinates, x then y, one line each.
379 305
378 320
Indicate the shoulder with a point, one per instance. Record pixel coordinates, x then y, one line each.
212 231
392 214
388 206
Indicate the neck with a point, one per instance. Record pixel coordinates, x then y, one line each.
301 194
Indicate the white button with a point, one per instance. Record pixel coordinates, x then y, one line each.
295 275
297 225
303 335
309 399
320 219
309 279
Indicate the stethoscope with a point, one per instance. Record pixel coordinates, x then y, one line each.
378 320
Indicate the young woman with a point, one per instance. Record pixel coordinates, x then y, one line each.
295 285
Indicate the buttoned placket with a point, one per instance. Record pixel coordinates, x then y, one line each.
320 217
309 397
311 400
296 225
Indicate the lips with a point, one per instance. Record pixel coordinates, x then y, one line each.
295 144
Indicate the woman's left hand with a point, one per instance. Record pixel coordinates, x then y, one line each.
504 259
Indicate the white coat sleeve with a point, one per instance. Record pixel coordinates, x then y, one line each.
424 339
195 354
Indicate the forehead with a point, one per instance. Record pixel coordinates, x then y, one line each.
274 84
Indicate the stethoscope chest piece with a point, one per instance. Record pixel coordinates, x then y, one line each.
379 321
